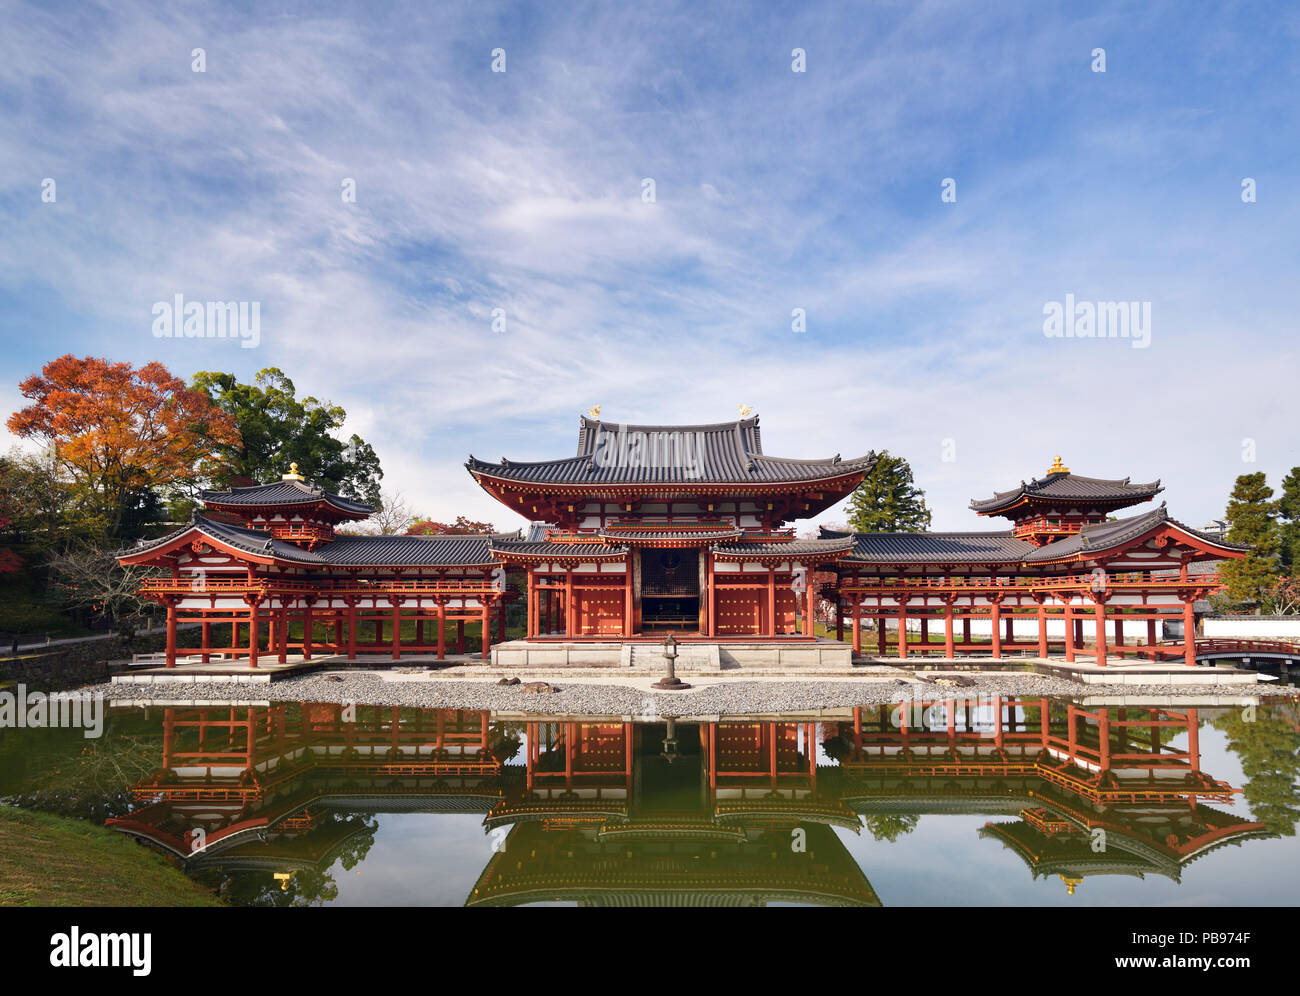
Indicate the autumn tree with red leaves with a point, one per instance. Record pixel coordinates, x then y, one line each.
118 430
461 527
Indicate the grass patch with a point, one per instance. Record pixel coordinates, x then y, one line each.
49 860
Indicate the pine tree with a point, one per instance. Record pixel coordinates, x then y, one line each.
1252 513
888 501
1288 508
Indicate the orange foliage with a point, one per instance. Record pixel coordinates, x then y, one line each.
119 428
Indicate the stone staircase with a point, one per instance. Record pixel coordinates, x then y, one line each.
692 658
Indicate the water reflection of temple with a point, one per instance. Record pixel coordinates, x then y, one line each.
730 812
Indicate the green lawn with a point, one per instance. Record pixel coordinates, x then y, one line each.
49 860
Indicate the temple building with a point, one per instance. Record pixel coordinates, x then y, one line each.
654 529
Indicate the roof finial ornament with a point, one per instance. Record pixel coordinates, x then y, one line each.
293 474
1057 467
593 412
745 410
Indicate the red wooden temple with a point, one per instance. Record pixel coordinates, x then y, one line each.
651 529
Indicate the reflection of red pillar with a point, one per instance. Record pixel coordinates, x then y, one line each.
1103 732
1194 739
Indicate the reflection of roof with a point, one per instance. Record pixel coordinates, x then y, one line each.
541 865
719 453
1068 487
284 493
344 550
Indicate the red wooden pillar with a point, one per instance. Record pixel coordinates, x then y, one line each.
1151 636
880 635
338 629
460 633
712 578
949 651
442 629
1069 629
857 626
965 630
419 623
925 625
501 619
171 633
205 641
397 628
570 624
809 622
629 616
1042 628
996 618
1189 633
902 627
839 618
1100 612
252 635
530 628
306 631
487 627
771 601
352 629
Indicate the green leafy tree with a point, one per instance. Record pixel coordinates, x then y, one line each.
1288 509
1252 513
888 500
277 428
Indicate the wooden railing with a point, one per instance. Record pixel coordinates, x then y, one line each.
1119 579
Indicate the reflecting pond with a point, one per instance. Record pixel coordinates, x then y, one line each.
1029 801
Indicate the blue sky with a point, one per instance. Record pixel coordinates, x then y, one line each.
774 190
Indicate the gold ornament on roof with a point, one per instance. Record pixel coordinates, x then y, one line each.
1057 467
593 411
293 474
744 410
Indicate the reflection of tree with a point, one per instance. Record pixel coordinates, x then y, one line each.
1269 749
307 886
60 771
889 826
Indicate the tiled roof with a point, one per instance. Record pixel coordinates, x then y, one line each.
943 548
668 535
720 453
1103 536
799 548
344 550
558 551
283 493
1066 487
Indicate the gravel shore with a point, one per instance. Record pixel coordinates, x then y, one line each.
723 698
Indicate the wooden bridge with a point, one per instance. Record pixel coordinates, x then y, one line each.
1280 651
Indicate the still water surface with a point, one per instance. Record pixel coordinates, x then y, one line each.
1002 802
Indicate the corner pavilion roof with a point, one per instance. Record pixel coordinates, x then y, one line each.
1059 485
344 550
287 493
718 453
1004 548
